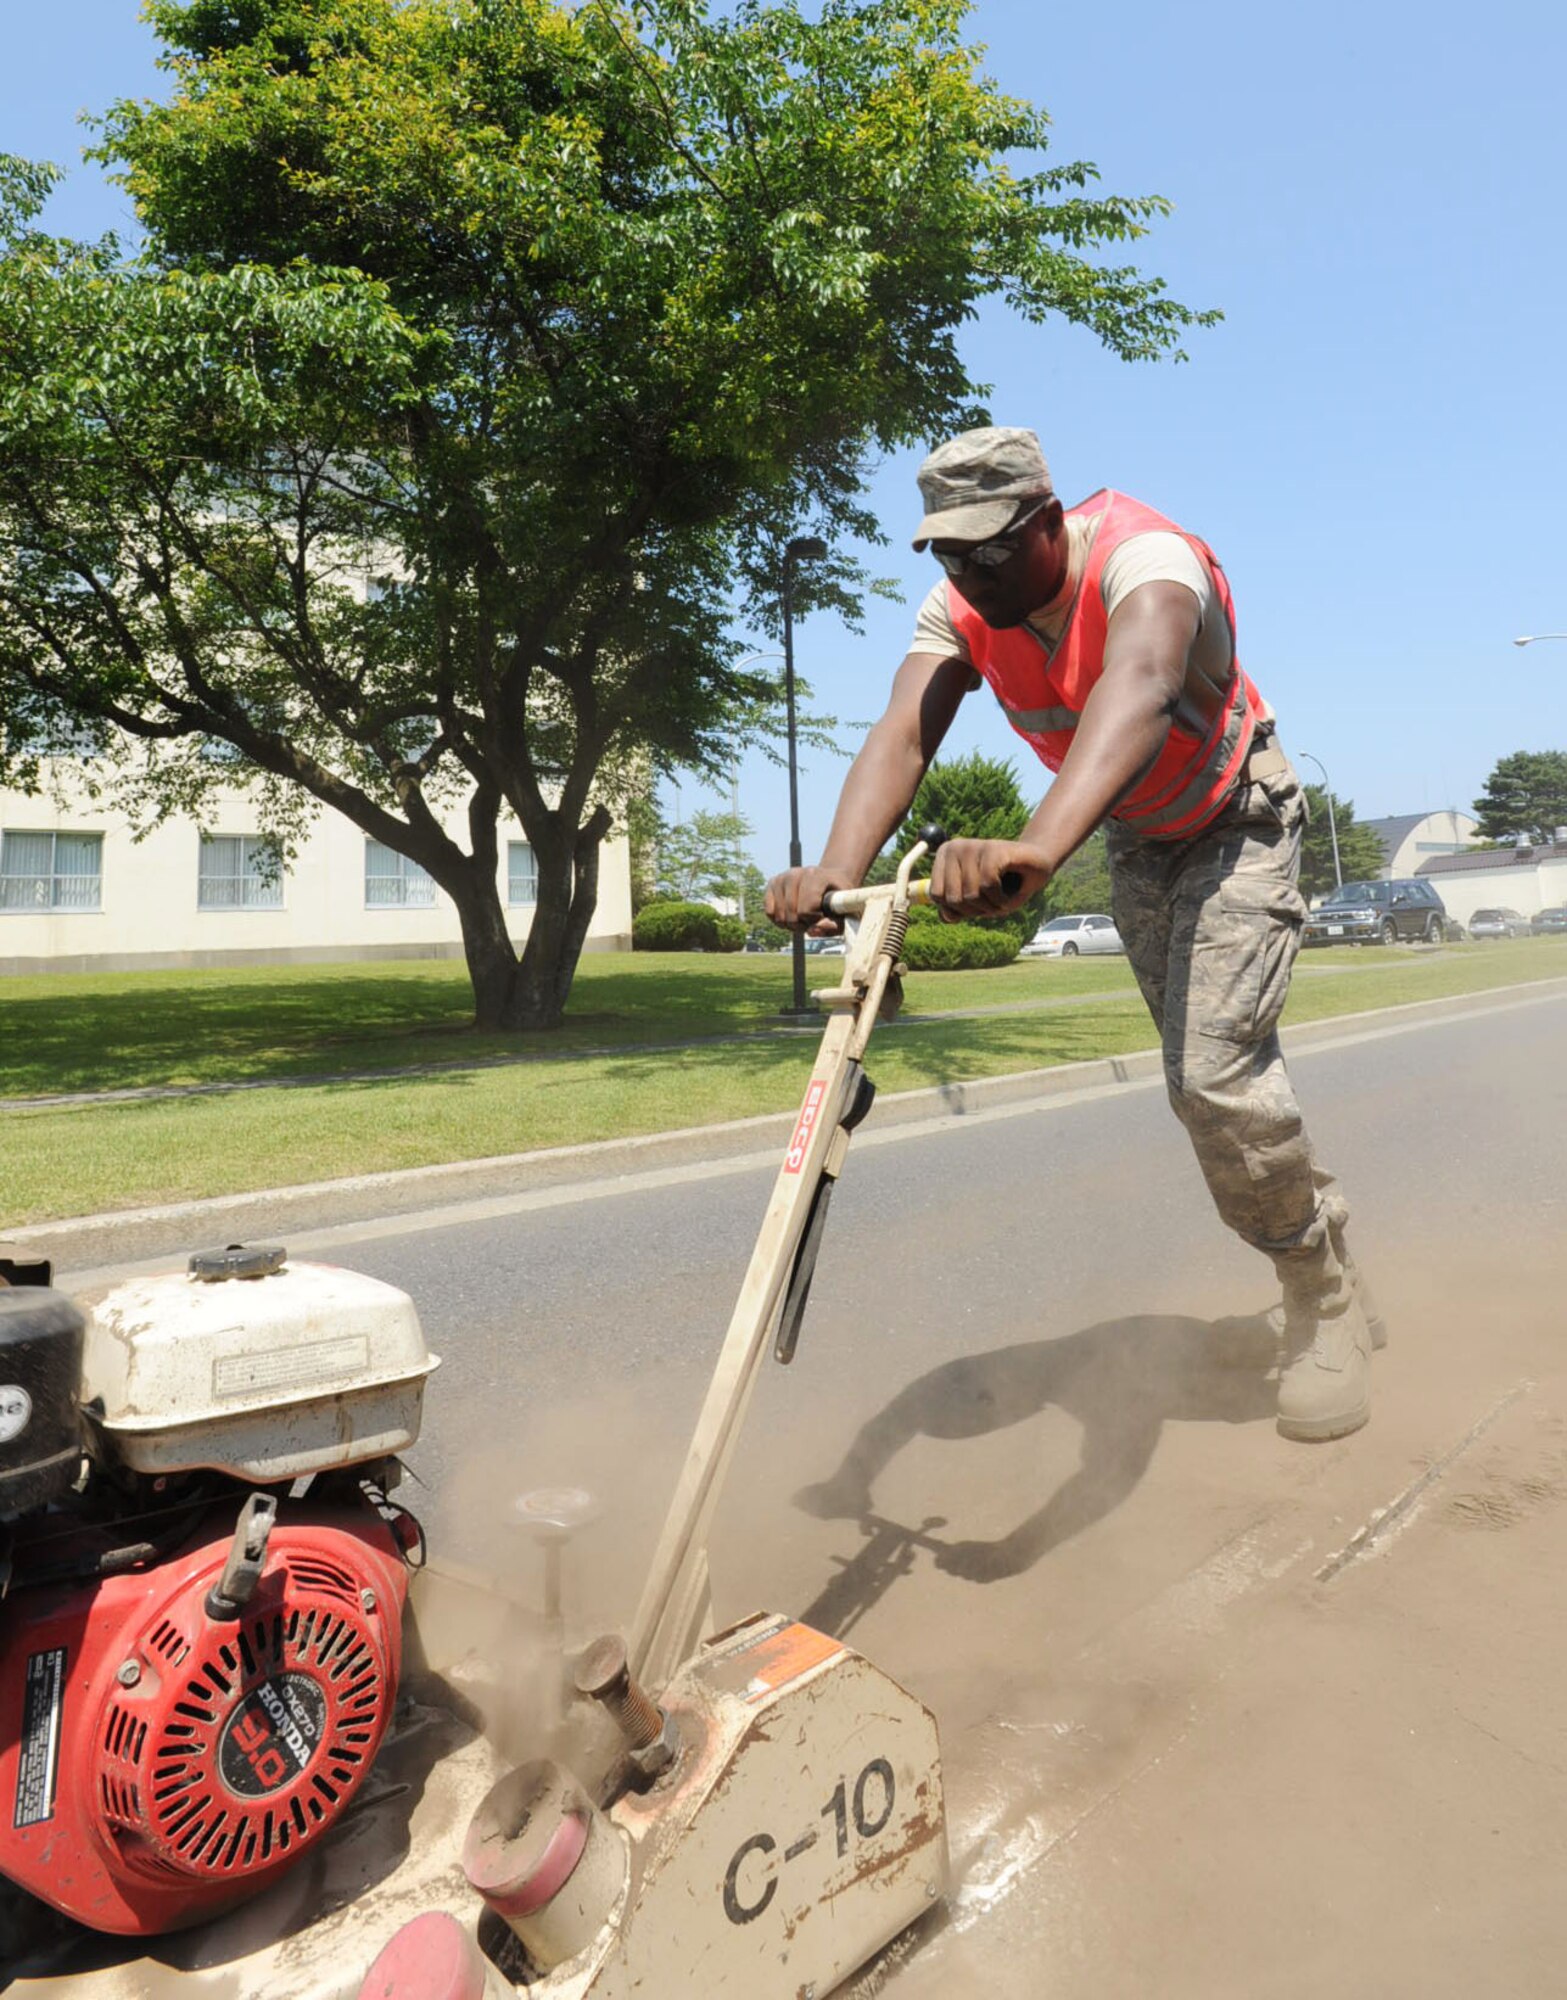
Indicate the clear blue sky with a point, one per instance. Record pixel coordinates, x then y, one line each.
1374 439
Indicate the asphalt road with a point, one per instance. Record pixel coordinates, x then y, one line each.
1090 1552
577 1337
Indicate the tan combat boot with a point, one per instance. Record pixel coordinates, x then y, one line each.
1376 1325
1325 1373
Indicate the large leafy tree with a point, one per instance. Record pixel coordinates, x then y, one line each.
1525 794
1360 853
477 361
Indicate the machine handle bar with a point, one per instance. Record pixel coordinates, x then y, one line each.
852 902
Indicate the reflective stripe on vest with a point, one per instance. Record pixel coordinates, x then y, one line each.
1041 721
1043 694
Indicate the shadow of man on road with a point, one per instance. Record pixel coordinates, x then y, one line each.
1123 1380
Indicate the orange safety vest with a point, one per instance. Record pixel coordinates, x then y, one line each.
1043 692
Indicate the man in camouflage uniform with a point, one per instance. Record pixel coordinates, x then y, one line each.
1107 634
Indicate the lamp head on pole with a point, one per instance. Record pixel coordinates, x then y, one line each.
805 548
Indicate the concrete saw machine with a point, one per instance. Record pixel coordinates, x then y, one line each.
253 1743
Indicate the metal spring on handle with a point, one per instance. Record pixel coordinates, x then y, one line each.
897 931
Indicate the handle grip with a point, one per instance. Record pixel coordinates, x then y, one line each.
850 902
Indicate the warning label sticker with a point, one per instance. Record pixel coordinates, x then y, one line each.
38 1767
794 1159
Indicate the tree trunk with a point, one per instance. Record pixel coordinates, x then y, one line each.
523 997
487 946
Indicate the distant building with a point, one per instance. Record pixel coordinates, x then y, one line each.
79 894
1525 879
1412 839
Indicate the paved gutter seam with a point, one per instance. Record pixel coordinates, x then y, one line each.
1368 1539
124 1235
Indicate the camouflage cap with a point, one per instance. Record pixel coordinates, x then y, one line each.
974 484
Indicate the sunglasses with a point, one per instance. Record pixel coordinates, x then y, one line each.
987 555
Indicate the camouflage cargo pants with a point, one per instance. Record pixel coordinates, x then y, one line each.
1211 926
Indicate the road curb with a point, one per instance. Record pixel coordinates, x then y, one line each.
125 1235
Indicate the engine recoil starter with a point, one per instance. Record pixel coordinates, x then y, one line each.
158 1763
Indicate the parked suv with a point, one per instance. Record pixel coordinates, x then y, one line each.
1500 923
1553 920
1378 913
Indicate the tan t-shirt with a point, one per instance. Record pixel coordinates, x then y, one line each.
1156 557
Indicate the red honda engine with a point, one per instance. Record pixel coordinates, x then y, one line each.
162 1761
203 1582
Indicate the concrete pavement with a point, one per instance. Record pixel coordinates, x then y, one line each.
1331 1755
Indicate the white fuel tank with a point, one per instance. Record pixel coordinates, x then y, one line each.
298 1369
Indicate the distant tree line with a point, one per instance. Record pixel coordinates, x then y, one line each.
1526 794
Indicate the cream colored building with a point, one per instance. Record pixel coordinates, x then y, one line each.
78 893
1525 879
1412 839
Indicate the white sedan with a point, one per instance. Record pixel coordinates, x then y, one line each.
1066 937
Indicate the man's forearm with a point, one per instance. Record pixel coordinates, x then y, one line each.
1125 719
876 794
1122 731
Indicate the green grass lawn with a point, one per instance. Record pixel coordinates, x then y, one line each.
102 1032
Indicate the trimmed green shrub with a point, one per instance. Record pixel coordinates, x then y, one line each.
731 934
675 927
935 946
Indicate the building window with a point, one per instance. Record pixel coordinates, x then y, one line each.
239 871
74 737
393 882
522 875
51 871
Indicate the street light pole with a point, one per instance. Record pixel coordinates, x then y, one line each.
1534 638
750 660
734 814
1338 873
804 548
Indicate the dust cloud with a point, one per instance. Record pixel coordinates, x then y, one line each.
506 1632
